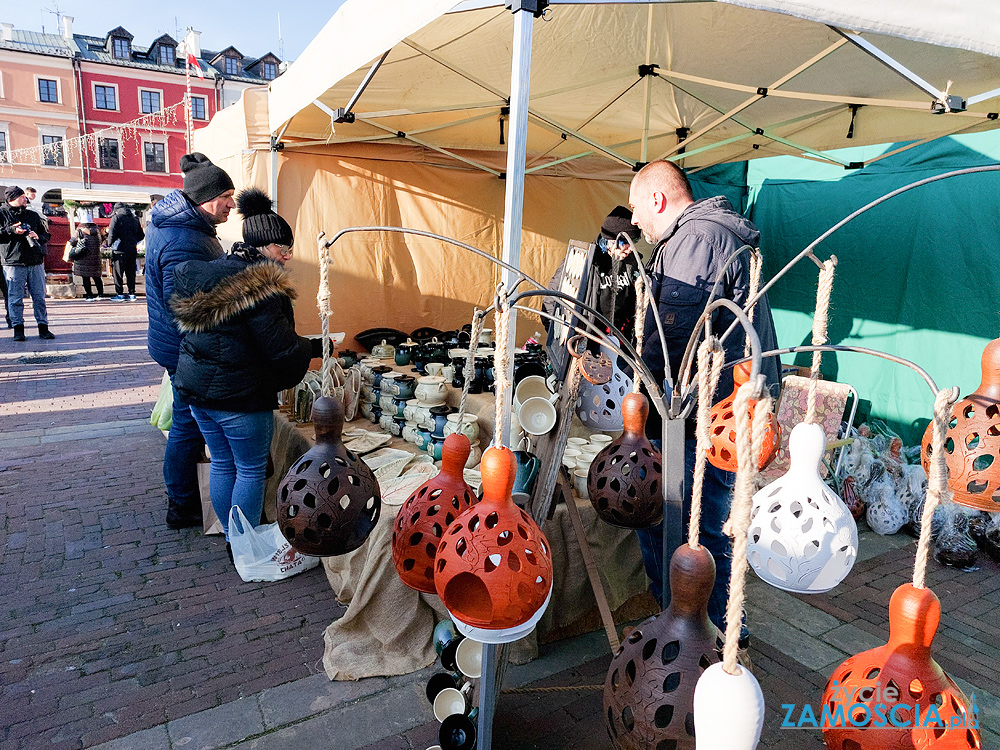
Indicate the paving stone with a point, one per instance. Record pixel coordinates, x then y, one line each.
851 639
217 727
804 648
792 610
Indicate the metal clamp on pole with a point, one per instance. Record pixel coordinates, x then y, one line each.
534 7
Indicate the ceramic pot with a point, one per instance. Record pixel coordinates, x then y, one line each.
486 337
387 383
458 365
410 410
483 577
384 350
722 428
399 405
377 373
469 426
396 428
376 414
348 357
329 501
423 438
423 417
972 442
386 402
436 447
599 407
405 386
366 369
430 390
385 421
366 410
905 663
409 433
624 478
367 394
404 352
439 415
445 631
475 456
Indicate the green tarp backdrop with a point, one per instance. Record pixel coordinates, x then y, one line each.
917 277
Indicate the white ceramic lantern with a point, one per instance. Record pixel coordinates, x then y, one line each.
802 538
728 709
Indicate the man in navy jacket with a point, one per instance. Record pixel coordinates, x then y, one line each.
182 228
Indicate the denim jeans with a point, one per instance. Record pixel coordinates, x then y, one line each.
240 443
32 277
716 498
180 462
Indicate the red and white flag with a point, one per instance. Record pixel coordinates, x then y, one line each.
193 62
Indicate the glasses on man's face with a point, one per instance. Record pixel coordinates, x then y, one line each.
606 245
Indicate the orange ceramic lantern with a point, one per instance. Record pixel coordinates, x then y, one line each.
427 514
493 568
972 442
649 690
625 478
722 428
897 686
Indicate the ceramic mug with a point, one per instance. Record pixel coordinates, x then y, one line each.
537 416
448 372
600 440
577 442
434 369
469 658
580 482
452 701
440 681
527 471
458 732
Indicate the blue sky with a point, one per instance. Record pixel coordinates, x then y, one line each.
249 25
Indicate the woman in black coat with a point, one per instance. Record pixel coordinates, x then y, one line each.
239 349
88 265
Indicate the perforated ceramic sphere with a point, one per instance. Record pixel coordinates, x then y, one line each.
722 428
802 538
329 501
599 406
886 515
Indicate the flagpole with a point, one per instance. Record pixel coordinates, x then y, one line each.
188 124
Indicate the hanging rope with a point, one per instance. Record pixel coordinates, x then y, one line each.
937 481
470 361
323 302
641 303
501 360
739 517
708 379
756 263
819 337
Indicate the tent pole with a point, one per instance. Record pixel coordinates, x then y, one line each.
513 212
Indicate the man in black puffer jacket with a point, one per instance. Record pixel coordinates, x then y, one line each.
182 228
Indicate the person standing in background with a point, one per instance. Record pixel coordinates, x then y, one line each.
124 233
88 264
22 253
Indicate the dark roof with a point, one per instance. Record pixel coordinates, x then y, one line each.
41 44
163 39
119 31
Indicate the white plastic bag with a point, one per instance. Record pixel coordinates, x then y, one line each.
262 553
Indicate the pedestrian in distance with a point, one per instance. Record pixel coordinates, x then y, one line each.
22 254
87 260
124 233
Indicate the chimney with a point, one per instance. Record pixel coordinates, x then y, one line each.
67 28
6 32
193 42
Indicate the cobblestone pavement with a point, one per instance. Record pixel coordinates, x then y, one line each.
121 633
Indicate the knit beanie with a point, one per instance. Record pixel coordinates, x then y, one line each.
12 193
619 220
261 226
203 181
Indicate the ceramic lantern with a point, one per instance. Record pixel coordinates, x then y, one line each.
722 428
728 709
973 440
624 482
599 405
899 680
427 514
329 501
802 538
493 569
649 690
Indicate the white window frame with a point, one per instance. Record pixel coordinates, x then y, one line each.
148 90
5 129
121 157
204 99
93 94
166 153
1 86
53 131
38 93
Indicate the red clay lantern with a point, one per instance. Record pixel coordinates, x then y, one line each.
493 569
972 443
649 690
722 454
329 501
624 482
427 514
903 682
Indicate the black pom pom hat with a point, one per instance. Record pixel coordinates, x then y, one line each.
261 225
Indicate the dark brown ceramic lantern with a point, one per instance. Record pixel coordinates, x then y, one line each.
722 427
649 690
329 501
493 569
427 514
972 443
624 479
900 679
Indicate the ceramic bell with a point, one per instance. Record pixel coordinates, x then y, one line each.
722 428
599 406
427 514
493 569
802 538
649 690
897 680
728 709
329 501
972 441
624 481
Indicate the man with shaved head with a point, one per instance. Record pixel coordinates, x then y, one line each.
692 242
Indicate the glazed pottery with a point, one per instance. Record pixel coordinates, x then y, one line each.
458 732
385 420
624 478
377 373
409 433
493 569
439 416
348 357
387 383
528 465
739 724
972 442
434 369
580 482
405 386
399 407
532 386
649 690
486 337
423 438
905 666
444 632
396 428
537 416
469 426
438 682
329 501
475 456
384 350
435 448
431 390
722 454
427 513
410 410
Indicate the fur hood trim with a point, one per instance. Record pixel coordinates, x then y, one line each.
232 296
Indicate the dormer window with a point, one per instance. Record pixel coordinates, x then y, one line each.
270 71
166 54
121 48
232 66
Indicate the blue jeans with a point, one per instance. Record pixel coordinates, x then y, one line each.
240 443
180 462
716 498
32 277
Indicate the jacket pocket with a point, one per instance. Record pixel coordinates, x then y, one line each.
680 305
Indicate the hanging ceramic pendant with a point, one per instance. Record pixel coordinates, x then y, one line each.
722 454
624 482
329 501
649 690
427 513
899 680
493 569
802 538
599 405
973 440
728 709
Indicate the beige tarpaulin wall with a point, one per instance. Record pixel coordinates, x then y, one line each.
403 282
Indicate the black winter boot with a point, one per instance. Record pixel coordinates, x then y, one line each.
44 332
19 333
